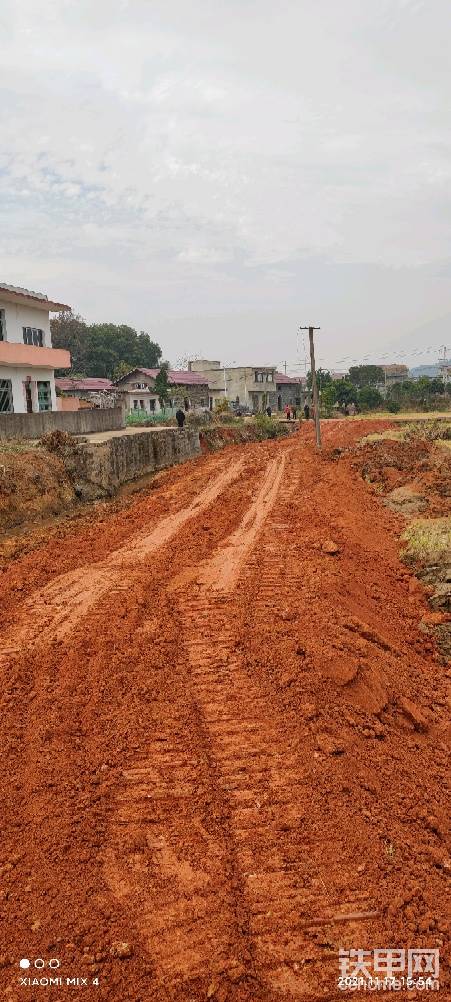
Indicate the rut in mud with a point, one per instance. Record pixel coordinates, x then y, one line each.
225 746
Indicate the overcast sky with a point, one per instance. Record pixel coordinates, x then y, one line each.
219 171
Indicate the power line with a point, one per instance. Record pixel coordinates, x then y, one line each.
363 359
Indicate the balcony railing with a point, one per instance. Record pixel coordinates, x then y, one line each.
15 353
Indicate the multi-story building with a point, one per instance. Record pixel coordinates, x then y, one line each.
27 359
249 387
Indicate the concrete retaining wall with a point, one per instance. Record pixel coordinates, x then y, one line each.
122 458
82 422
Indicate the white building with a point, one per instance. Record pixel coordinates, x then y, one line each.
248 386
27 359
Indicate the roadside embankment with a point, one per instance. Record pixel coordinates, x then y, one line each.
51 477
102 466
410 468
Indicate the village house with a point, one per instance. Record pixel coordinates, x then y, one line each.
291 390
90 391
249 387
27 359
393 373
137 390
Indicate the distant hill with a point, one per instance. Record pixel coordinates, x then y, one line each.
424 370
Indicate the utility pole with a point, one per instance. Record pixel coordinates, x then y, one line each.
314 383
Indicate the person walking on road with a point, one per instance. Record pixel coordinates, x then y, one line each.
294 413
288 412
180 417
306 411
268 411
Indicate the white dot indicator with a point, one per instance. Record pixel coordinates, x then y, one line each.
24 962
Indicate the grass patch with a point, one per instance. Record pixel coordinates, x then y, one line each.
391 435
18 445
428 540
431 429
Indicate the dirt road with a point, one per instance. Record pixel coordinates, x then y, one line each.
224 746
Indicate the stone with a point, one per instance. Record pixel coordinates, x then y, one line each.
121 950
330 547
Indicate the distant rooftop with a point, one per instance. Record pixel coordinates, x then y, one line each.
91 383
282 377
177 376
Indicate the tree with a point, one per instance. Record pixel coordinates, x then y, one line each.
436 385
323 379
98 349
424 393
69 331
368 398
366 375
346 392
122 369
162 385
328 398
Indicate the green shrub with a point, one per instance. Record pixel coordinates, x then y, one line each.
268 428
369 398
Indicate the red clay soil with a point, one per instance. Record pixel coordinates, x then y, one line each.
420 464
224 744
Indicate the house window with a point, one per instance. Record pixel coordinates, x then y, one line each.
202 402
2 326
141 405
44 395
151 406
258 377
6 396
33 335
135 405
269 377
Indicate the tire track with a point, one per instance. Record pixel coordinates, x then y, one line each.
260 769
57 608
189 929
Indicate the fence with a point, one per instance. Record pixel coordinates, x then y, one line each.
82 422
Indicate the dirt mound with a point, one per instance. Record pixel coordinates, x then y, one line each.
414 474
33 485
